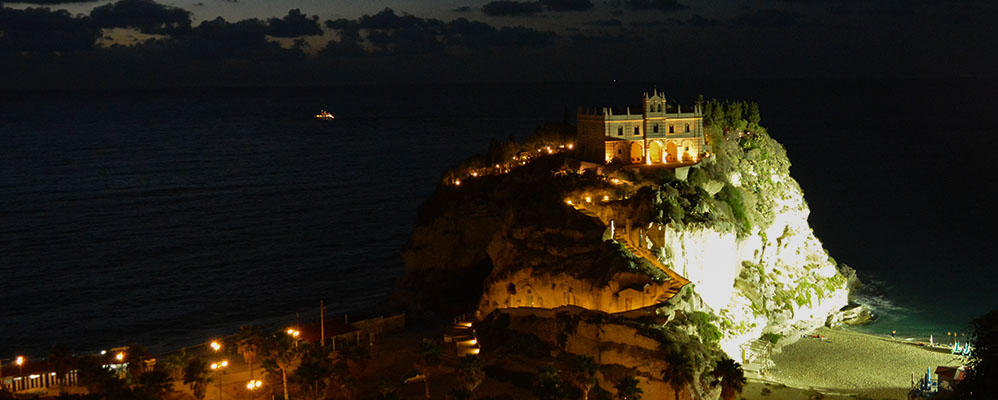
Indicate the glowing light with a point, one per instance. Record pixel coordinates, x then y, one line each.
606 198
215 346
589 199
19 361
474 174
569 202
225 363
103 352
294 332
570 146
214 365
475 351
615 181
120 356
254 384
34 376
457 182
465 324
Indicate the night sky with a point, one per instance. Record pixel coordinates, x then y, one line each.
185 43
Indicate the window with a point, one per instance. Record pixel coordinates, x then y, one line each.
619 151
655 128
687 128
672 129
637 131
620 131
659 108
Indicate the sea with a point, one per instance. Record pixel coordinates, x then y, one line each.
170 217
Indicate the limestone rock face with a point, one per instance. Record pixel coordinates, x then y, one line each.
736 230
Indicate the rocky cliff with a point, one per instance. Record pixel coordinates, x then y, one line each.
545 231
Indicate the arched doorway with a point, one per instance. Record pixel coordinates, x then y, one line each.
637 152
671 150
687 151
655 151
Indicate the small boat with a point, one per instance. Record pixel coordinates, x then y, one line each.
324 115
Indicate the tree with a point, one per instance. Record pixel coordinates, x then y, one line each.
429 359
197 376
135 357
156 383
679 372
175 363
315 371
470 373
61 360
583 374
982 364
283 352
627 389
249 344
92 374
752 115
548 385
731 377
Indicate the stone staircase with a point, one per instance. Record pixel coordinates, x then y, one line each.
676 281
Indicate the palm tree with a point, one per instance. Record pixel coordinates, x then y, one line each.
197 376
315 371
731 377
61 359
176 363
548 385
627 389
156 383
283 352
679 371
429 359
583 374
470 373
249 344
135 357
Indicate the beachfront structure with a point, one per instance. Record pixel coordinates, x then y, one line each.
656 135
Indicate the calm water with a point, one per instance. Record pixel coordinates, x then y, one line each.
165 218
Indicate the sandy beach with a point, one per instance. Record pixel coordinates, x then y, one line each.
846 365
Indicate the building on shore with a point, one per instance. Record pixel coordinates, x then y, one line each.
656 135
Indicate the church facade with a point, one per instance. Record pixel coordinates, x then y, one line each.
653 136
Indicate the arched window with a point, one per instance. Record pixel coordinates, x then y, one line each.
672 129
637 131
659 108
655 128
620 131
687 128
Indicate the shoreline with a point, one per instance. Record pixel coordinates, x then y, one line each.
846 364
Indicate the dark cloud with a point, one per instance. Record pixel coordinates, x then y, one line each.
890 12
145 15
386 19
606 22
605 40
567 5
649 5
462 9
766 18
51 2
698 20
295 24
40 30
507 8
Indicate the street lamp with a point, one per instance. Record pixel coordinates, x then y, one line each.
294 333
218 367
215 346
254 384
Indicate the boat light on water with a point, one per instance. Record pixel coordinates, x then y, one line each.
324 115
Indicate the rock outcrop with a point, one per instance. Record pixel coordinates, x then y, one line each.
552 234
